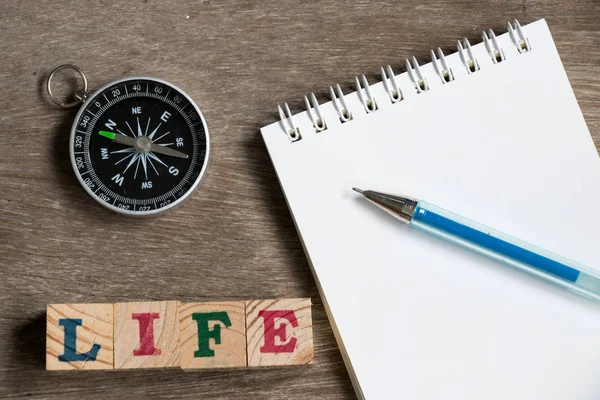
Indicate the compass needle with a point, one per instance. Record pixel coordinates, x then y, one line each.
129 141
117 148
161 149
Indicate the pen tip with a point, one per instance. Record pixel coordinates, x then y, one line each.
358 190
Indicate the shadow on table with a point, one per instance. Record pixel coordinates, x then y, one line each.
30 342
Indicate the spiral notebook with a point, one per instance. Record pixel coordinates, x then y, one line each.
492 132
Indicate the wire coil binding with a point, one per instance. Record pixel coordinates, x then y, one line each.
390 81
394 91
368 101
491 45
466 55
518 37
414 72
287 123
440 66
340 104
314 113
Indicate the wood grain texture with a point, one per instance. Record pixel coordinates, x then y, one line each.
279 332
146 335
93 329
234 239
229 332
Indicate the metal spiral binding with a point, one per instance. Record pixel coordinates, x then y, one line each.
316 119
368 102
491 45
394 91
466 55
340 104
288 125
521 41
416 76
390 82
440 66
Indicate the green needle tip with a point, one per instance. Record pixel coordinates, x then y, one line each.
106 134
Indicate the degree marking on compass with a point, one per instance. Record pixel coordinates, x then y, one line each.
126 92
88 110
103 94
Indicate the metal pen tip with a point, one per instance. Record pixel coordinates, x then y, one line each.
358 190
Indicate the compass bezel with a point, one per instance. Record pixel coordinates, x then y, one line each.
133 213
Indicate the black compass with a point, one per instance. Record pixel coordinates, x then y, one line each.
139 146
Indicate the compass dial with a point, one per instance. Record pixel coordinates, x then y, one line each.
139 146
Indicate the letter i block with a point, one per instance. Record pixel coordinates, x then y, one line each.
79 336
146 335
279 332
212 335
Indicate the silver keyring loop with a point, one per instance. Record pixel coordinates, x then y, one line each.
49 82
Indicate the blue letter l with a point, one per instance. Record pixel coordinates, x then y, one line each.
70 352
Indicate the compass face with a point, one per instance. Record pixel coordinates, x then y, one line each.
139 146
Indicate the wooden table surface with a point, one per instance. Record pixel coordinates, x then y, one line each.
235 239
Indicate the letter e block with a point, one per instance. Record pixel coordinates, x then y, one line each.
146 335
79 336
279 332
212 335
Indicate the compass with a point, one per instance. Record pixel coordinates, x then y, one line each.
139 146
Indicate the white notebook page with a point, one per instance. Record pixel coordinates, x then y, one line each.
415 317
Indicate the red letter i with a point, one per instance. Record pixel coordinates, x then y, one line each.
146 322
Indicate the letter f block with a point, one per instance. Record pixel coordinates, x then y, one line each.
212 335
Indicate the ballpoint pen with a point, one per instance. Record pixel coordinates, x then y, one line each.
489 242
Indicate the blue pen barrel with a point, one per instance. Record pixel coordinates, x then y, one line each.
506 249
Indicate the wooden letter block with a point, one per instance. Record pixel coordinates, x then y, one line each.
146 335
279 332
212 335
79 336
